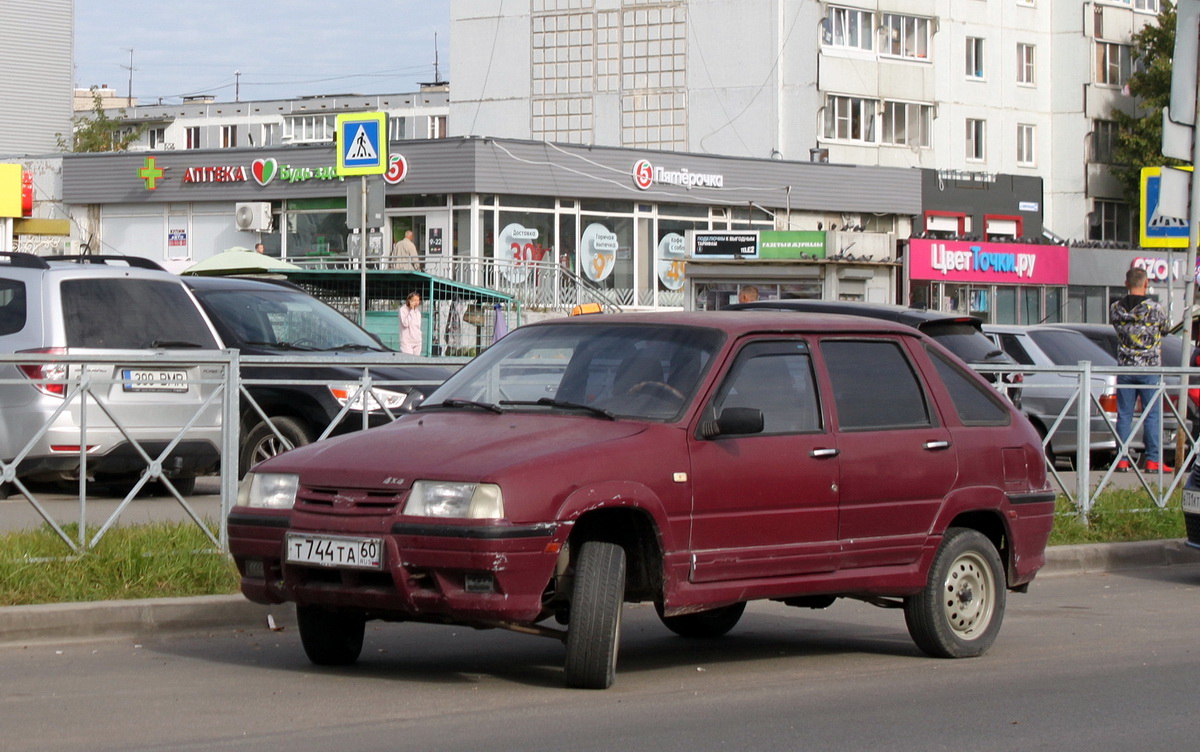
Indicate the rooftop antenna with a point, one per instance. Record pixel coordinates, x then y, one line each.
437 72
131 69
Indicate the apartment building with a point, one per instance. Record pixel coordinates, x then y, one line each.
1020 87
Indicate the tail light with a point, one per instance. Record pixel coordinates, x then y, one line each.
1108 403
47 378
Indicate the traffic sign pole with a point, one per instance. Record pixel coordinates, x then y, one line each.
362 150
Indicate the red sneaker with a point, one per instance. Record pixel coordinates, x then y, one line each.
1154 467
1123 466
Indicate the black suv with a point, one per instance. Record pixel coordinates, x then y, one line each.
961 335
303 402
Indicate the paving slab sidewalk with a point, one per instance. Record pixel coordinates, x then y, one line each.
134 619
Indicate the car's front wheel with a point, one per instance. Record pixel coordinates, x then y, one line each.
958 613
594 632
262 443
330 638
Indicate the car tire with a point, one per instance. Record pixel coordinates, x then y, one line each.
958 613
594 633
260 442
330 638
705 625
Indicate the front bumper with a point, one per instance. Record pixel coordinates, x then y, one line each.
460 571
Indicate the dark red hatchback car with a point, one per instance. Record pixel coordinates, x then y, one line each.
692 460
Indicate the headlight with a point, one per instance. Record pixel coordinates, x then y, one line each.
268 490
431 498
375 399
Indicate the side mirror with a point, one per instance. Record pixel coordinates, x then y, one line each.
735 421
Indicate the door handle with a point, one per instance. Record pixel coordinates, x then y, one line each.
824 453
937 444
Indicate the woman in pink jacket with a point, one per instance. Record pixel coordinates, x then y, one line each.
410 324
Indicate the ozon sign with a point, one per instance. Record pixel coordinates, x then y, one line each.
645 174
1158 269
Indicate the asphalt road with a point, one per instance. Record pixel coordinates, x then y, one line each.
1084 662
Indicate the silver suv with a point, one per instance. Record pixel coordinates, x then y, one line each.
108 307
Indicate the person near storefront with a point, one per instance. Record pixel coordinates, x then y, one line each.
410 325
1140 322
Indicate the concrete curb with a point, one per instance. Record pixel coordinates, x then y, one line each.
134 619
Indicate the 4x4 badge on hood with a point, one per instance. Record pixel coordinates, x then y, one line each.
390 481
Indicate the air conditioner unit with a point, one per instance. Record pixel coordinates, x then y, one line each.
253 215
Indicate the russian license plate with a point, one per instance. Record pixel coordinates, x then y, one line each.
154 380
338 551
1191 500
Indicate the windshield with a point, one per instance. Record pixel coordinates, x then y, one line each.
1068 348
281 320
613 370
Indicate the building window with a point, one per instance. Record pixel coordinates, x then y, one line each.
1104 141
974 57
905 36
907 124
1111 220
1146 5
397 129
1113 63
192 137
228 136
850 119
270 134
156 138
308 129
849 27
1025 64
1026 145
975 139
437 126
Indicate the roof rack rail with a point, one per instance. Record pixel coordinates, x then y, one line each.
26 260
135 261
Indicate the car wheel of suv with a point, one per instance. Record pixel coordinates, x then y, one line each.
705 625
330 638
595 627
261 443
958 614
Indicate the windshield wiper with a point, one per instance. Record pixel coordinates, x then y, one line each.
355 347
280 346
174 343
462 403
563 404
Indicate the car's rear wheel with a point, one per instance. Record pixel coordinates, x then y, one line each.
261 443
704 625
958 613
330 638
595 627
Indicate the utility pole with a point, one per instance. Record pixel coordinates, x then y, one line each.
237 86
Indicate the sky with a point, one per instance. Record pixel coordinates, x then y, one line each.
282 48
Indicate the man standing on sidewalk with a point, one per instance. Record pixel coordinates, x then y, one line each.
1140 323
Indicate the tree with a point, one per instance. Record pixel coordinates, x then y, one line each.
96 131
1138 139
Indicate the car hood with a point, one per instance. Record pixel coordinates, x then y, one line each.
440 445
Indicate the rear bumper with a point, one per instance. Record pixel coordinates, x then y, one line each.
1030 520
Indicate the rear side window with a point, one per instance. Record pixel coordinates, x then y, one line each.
131 314
12 306
1012 345
966 341
1068 348
976 404
874 386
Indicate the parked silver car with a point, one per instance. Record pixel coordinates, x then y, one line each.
1046 396
103 306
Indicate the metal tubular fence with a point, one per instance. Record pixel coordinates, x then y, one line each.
91 397
91 405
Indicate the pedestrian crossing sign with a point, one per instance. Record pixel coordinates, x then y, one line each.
362 143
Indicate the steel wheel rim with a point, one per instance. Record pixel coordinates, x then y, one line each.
969 596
